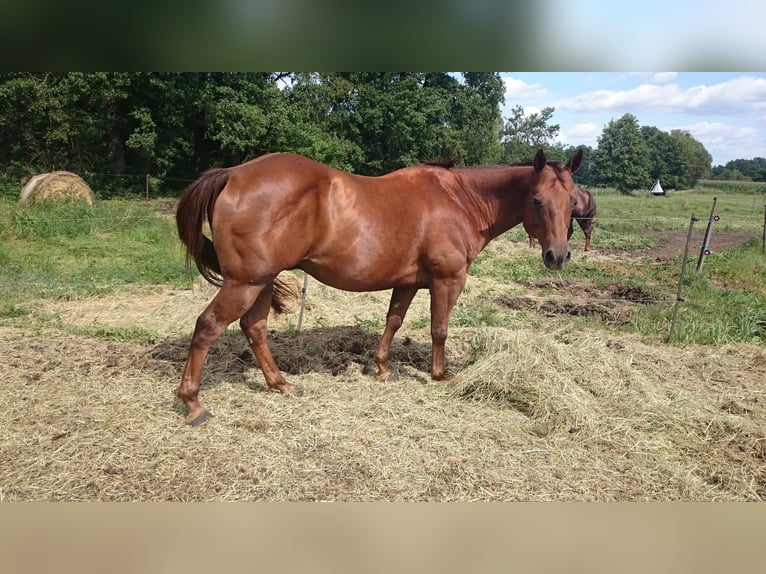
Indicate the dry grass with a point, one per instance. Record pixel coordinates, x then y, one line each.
56 185
530 415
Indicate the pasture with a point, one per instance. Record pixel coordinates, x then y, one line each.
563 385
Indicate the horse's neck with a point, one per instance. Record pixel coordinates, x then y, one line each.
498 195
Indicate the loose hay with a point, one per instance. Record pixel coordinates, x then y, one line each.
530 415
56 185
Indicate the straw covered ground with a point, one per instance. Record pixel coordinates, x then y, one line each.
553 413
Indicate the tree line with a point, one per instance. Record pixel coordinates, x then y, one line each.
113 128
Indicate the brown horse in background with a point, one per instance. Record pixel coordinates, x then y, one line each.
419 227
583 212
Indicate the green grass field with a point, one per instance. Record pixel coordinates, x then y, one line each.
54 251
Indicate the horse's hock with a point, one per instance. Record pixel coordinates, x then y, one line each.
57 185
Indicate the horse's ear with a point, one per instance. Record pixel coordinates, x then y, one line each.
540 160
575 162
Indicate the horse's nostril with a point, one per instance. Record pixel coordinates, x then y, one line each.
554 261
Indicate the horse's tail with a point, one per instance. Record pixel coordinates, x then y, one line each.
195 204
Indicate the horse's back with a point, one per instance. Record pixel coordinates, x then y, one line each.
283 166
350 231
296 174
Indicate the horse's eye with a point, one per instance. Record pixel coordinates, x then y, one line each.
537 203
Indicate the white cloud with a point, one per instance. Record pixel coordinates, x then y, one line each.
726 141
656 77
584 133
520 90
744 93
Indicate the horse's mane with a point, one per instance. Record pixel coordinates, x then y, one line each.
445 161
450 161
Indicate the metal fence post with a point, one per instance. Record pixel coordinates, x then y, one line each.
679 298
705 247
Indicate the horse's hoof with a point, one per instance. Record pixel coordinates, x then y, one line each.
292 390
196 419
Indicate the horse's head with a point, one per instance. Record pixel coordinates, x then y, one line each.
548 208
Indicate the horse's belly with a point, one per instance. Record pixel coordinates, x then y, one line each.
362 278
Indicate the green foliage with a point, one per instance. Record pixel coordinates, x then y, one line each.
115 128
754 169
524 134
622 158
693 161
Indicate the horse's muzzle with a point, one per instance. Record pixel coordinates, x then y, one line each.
556 259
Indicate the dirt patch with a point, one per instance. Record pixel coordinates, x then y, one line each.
578 299
673 243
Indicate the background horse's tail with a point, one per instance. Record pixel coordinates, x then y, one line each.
195 204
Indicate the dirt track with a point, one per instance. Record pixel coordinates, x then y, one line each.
673 243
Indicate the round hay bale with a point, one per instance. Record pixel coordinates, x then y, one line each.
57 185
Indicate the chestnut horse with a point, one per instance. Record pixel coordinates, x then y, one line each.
583 212
419 227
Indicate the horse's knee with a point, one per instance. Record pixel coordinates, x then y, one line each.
394 322
439 335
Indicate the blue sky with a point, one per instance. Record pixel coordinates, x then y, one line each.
725 111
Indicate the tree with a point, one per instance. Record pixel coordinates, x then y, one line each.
476 114
114 128
582 176
755 168
694 159
524 134
57 120
725 173
664 157
622 158
396 119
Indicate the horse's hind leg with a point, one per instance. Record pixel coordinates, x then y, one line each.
254 326
227 306
397 309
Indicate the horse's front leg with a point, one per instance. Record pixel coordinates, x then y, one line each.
444 295
397 309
